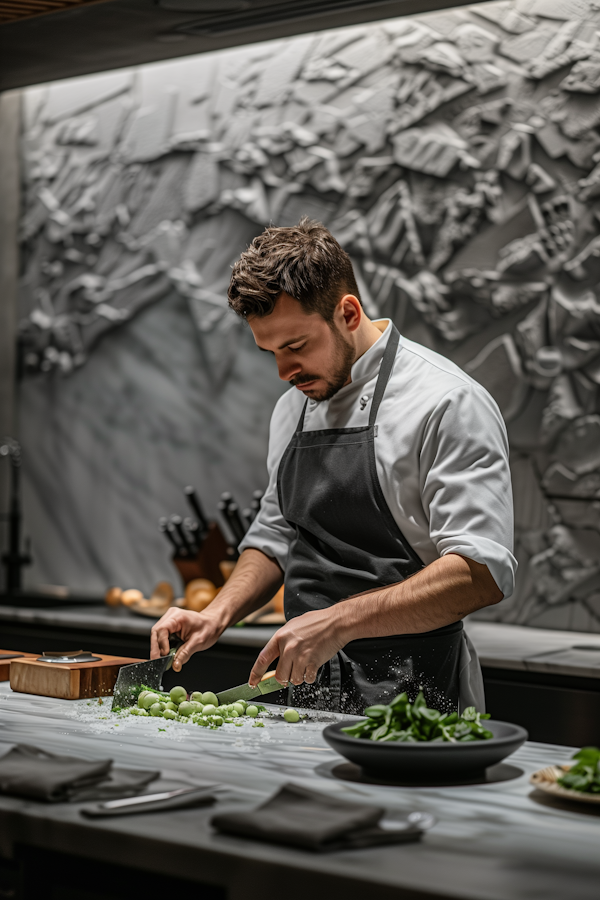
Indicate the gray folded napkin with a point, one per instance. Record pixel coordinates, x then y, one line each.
203 796
303 818
27 771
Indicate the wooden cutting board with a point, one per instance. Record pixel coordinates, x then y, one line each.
5 663
69 681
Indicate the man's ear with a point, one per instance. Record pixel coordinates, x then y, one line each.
351 311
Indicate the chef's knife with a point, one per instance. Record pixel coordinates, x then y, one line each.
150 673
267 684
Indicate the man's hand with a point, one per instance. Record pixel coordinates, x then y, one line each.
303 645
255 580
199 631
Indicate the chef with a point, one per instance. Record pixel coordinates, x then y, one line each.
388 514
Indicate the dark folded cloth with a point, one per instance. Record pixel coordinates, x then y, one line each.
200 797
119 783
303 818
27 771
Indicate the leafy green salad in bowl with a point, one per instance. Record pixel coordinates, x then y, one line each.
409 722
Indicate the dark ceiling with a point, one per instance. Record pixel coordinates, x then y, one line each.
112 34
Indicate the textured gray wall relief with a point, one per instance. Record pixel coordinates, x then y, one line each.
457 158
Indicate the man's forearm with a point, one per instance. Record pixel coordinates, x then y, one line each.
444 592
255 580
440 594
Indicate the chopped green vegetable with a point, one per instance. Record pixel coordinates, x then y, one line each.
163 696
149 700
584 776
178 694
291 715
408 722
201 709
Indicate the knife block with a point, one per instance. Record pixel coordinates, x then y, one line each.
205 564
68 681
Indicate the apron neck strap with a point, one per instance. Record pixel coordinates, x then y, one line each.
385 370
300 425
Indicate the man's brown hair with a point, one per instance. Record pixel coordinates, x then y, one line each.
304 260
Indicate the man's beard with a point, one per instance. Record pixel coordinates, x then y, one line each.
343 360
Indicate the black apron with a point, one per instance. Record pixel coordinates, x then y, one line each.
347 541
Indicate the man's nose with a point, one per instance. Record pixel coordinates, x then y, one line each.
288 368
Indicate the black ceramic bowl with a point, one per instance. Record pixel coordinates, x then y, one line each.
424 760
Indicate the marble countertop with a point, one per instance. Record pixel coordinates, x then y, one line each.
499 646
495 841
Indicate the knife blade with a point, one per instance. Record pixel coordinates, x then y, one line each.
267 685
152 798
131 678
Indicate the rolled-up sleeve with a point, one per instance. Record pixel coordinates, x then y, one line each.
465 482
269 531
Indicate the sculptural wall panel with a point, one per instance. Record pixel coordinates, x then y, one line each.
455 155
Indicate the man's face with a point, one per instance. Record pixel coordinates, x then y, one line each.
314 356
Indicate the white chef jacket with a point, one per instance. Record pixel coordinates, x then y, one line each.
441 451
